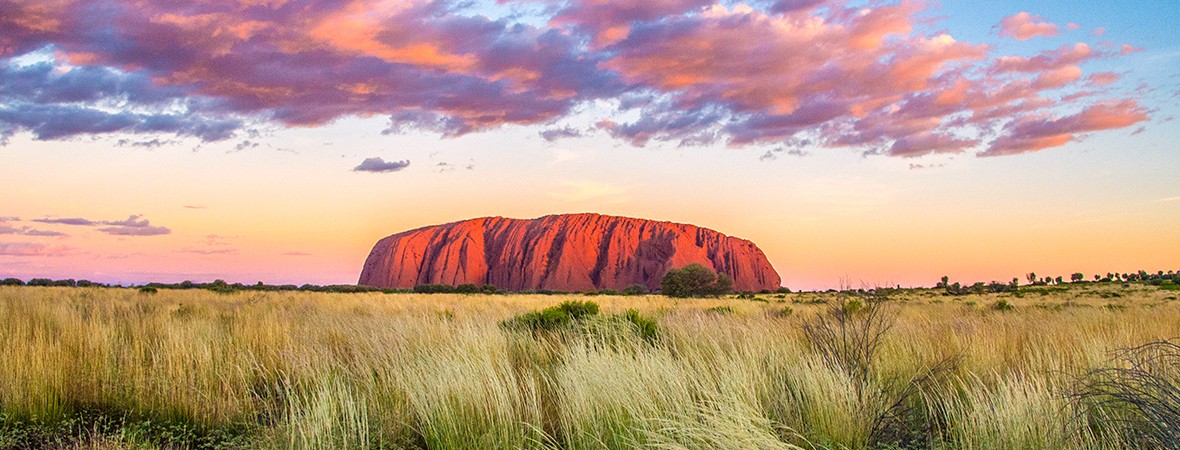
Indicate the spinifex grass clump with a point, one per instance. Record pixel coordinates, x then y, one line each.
1137 402
898 410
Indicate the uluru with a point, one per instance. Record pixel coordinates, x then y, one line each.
565 252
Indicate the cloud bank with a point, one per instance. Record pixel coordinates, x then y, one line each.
869 75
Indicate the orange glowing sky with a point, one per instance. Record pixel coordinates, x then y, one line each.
860 144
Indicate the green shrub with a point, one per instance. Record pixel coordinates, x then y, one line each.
853 306
645 327
553 318
433 289
583 318
721 310
1002 305
635 289
148 290
695 280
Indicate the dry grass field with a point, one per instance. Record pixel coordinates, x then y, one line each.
1041 368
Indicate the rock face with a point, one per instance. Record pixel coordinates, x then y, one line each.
569 252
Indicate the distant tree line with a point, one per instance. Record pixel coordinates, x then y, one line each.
69 282
1158 278
1142 276
978 287
216 285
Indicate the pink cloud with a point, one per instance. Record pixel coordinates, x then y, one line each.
929 143
1023 26
1047 60
1058 77
1104 78
1032 134
31 249
1099 31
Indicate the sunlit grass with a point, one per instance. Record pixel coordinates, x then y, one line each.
119 368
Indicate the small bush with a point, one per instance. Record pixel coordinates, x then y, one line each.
721 310
148 290
853 306
222 289
433 289
1002 305
849 340
645 327
635 289
553 318
695 280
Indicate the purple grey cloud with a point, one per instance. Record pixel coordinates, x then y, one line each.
554 134
136 231
77 221
133 226
378 165
53 103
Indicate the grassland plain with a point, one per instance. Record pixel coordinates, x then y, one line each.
119 368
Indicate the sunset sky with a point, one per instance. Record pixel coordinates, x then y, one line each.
857 143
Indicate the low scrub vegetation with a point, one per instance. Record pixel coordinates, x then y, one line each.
109 368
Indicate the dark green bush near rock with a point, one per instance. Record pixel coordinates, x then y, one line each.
695 280
635 289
